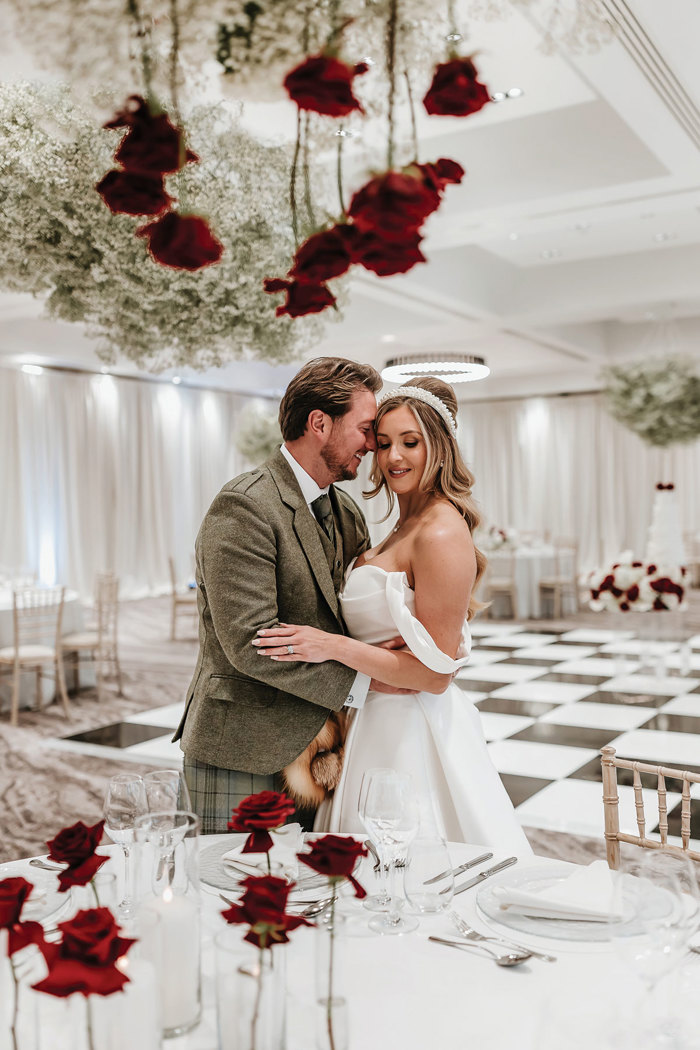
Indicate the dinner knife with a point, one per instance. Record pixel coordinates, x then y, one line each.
458 871
485 874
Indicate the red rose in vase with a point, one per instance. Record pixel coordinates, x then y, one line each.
302 298
184 242
323 84
456 90
75 846
394 205
152 145
131 193
324 255
335 857
257 814
387 257
13 894
262 907
84 960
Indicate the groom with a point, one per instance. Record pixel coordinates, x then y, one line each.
274 547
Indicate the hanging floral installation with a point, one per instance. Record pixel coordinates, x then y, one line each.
658 398
258 435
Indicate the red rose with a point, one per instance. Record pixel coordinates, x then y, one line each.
152 146
75 846
256 814
324 84
184 242
84 960
651 569
456 90
633 592
386 257
395 204
13 894
262 907
301 298
658 605
335 857
636 564
131 193
324 255
442 173
624 606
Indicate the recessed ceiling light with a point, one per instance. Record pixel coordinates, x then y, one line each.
550 253
663 236
32 370
499 96
515 93
176 380
388 338
513 236
452 368
104 370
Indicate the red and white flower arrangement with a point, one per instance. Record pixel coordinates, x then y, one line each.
635 586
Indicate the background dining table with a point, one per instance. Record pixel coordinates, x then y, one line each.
410 993
530 565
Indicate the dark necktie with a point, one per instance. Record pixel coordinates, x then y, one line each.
323 512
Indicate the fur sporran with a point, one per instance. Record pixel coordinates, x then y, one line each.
315 774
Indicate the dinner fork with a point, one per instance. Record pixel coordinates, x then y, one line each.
473 935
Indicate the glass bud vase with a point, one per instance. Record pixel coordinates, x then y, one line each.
331 1005
168 884
250 994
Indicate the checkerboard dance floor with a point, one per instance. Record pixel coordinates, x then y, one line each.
548 703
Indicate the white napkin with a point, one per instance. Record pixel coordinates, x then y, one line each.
287 841
587 894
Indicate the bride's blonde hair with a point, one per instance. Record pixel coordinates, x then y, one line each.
446 475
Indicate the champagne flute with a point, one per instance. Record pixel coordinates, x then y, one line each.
377 901
166 791
125 802
391 814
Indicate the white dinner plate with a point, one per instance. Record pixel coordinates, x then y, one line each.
214 871
46 903
535 879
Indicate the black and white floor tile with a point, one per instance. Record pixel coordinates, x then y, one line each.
549 702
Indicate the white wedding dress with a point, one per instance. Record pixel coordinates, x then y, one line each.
437 738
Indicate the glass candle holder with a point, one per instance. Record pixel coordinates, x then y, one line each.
250 994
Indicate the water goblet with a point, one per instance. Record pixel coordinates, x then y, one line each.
125 801
377 901
391 815
428 857
166 791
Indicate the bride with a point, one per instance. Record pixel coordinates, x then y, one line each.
418 584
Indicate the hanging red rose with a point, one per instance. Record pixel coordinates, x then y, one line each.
256 814
323 84
325 255
75 846
336 856
456 90
131 193
184 242
393 204
442 173
386 257
152 145
262 907
84 960
302 298
13 894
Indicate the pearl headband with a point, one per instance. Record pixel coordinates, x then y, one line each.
417 393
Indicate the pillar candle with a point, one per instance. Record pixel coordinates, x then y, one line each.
179 974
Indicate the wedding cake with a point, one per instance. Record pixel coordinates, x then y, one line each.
665 540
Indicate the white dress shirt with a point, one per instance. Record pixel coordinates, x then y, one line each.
310 491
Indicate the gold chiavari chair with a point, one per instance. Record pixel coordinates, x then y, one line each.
502 585
181 602
100 643
37 613
565 578
613 835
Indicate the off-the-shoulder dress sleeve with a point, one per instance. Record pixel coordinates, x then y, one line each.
399 596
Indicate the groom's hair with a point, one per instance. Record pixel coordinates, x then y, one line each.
328 384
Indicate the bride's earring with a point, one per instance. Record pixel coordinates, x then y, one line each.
442 462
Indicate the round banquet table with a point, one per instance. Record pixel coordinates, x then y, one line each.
71 623
531 564
409 993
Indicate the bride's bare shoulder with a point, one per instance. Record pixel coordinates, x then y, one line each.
442 524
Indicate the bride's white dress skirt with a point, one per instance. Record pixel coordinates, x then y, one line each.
437 738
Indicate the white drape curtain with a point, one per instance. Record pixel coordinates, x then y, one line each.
102 473
98 473
563 467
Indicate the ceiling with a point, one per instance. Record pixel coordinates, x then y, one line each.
572 242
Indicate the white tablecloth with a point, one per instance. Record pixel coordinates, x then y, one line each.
531 564
410 993
72 621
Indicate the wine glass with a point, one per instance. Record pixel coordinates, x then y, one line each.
125 802
654 915
377 901
391 815
166 791
428 858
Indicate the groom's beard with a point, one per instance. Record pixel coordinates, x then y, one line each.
338 470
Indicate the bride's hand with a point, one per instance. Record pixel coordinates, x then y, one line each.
288 643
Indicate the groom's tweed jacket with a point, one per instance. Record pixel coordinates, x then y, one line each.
262 559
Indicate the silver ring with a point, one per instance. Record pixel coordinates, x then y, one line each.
290 650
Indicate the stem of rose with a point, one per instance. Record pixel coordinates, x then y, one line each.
95 893
13 1027
391 74
258 996
90 1034
329 1001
